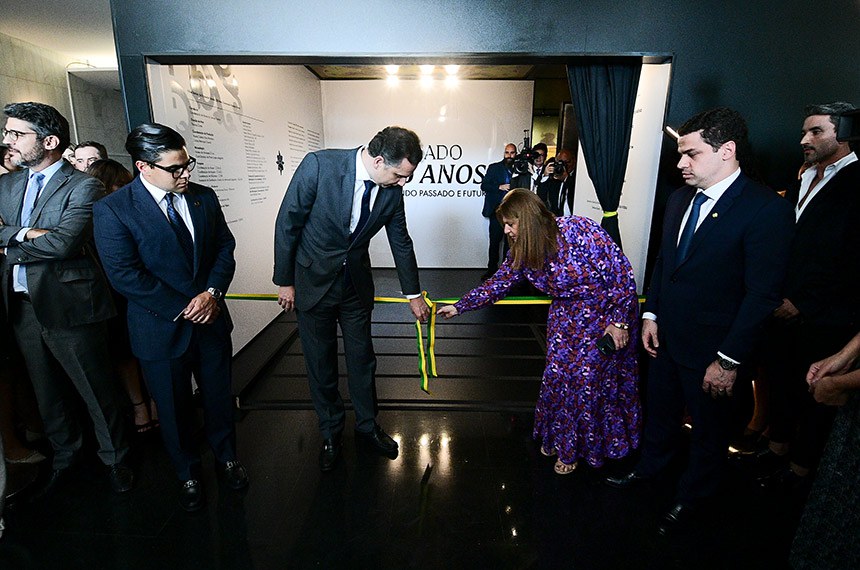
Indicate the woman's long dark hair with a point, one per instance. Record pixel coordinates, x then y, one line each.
537 234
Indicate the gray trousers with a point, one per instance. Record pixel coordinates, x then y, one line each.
80 354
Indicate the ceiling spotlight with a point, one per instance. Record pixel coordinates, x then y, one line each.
427 69
452 69
392 69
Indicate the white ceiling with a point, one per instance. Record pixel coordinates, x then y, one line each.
81 30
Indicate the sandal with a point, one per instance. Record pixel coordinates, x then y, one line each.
546 453
563 468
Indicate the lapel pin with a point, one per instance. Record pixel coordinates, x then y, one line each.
196 203
715 215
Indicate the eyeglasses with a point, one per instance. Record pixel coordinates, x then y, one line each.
177 169
15 135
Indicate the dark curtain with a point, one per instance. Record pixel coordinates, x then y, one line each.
604 97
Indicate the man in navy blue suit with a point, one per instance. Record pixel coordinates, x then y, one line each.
166 247
716 280
497 183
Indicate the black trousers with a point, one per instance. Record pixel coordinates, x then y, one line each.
671 388
208 358
318 333
497 239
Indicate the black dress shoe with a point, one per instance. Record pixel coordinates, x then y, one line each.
121 478
785 481
191 497
235 475
380 441
55 481
329 453
625 481
676 517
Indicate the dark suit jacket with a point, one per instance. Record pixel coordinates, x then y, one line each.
548 191
497 174
145 264
824 267
312 231
66 283
718 298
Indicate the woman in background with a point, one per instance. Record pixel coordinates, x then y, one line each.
114 176
588 407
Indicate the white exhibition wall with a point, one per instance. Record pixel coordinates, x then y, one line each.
463 126
640 179
249 127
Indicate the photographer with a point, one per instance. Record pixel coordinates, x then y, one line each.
557 190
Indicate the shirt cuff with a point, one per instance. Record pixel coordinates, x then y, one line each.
413 296
649 316
21 236
721 355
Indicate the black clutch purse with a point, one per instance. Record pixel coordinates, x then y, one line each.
606 345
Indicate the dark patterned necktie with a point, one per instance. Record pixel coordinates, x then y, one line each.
690 228
180 229
365 208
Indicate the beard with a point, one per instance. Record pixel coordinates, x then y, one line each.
31 158
509 162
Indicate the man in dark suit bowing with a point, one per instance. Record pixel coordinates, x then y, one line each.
166 247
336 202
717 278
820 309
56 295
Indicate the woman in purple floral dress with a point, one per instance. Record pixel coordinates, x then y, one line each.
588 407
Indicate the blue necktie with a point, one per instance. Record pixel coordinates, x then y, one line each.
690 228
180 229
365 208
30 196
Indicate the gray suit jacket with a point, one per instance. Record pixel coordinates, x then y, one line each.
312 231
66 283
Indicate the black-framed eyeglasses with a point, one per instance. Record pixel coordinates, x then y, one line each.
15 135
177 169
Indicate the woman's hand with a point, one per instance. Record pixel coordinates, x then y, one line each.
619 336
448 311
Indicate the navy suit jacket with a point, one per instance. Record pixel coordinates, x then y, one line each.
719 296
824 266
497 174
312 231
145 263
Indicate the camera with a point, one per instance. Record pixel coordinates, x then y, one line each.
525 157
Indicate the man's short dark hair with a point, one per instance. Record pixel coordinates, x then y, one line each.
96 145
394 144
46 121
834 110
718 127
147 142
541 146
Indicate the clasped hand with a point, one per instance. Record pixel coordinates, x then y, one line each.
202 310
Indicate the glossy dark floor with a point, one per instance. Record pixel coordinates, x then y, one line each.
468 490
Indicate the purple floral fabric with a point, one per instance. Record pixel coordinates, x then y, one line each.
588 407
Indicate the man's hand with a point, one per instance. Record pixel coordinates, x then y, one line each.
287 297
786 311
202 310
420 309
719 382
448 311
649 337
504 187
33 233
826 391
619 336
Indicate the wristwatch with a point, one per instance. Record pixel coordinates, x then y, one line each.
622 326
727 364
216 293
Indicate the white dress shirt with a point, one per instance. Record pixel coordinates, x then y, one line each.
179 202
805 196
